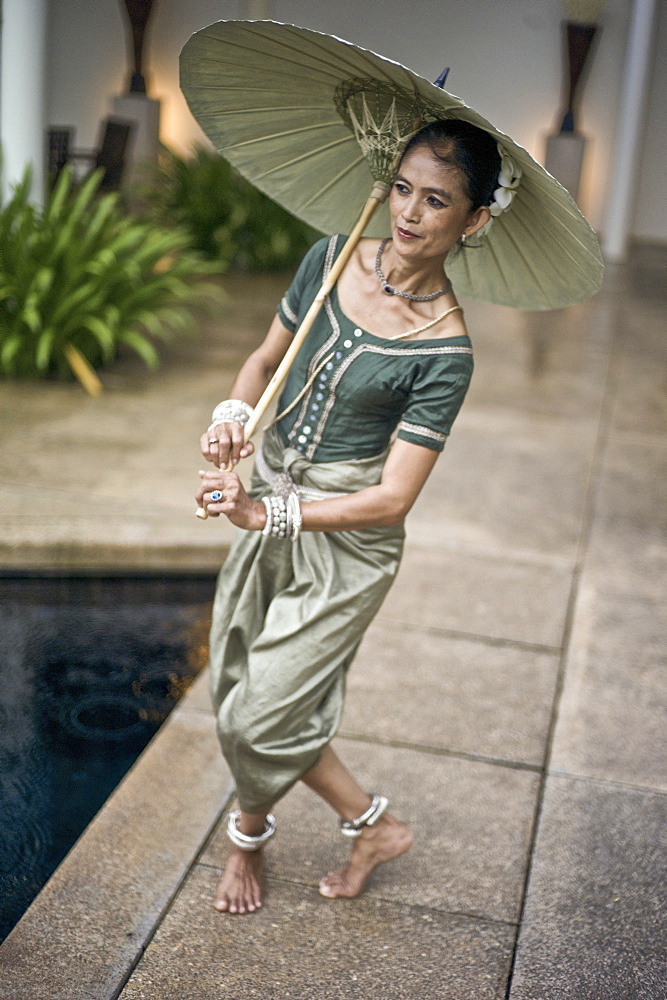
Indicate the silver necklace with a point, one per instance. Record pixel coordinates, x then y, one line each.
390 290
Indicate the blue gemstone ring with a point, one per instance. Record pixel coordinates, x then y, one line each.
216 495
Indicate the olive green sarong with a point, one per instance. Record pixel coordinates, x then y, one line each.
287 621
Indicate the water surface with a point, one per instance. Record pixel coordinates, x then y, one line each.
89 669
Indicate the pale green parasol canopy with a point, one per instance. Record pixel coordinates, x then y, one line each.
314 121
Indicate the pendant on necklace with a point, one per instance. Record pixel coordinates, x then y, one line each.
390 290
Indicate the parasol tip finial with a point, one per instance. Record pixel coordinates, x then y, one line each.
440 82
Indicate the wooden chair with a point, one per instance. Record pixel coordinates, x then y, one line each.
110 154
58 144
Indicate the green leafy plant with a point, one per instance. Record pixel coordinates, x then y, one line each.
226 218
81 277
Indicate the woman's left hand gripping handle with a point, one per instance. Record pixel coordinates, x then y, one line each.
221 492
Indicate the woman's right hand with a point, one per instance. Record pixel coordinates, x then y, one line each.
223 444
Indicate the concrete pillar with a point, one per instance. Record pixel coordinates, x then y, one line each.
629 132
22 91
143 148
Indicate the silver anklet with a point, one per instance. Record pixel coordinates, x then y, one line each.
242 840
353 827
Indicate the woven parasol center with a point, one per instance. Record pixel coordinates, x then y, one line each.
382 117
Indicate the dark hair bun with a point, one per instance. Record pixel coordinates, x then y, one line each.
471 149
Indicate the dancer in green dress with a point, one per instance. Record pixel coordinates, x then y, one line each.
364 414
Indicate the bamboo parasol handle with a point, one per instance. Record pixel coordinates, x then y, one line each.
378 194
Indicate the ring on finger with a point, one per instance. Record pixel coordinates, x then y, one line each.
212 441
216 495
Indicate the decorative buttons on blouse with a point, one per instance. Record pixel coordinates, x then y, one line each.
305 437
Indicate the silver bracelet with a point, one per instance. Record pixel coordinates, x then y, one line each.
283 517
279 516
289 522
231 410
296 518
295 510
266 530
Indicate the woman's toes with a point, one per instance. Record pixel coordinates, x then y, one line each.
330 885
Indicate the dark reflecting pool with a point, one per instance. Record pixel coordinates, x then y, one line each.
89 669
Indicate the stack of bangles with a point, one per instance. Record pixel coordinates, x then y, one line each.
283 516
228 411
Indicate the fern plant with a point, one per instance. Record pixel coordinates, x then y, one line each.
226 217
80 277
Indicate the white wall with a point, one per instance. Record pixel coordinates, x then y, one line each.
22 98
505 58
87 64
650 220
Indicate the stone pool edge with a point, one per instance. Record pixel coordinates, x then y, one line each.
71 557
90 924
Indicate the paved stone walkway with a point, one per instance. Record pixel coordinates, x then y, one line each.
509 699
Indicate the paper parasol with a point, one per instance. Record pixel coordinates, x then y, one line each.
314 121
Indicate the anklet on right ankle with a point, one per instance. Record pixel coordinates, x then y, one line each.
353 827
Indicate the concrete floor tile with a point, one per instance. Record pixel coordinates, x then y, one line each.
544 364
596 910
91 921
483 595
612 717
491 555
640 399
508 483
628 545
197 698
472 824
428 688
302 947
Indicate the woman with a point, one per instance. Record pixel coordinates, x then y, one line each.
389 352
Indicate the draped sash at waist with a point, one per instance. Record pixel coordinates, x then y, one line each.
284 469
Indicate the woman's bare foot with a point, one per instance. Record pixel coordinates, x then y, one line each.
240 888
377 844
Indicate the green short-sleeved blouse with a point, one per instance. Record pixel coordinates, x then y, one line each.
368 386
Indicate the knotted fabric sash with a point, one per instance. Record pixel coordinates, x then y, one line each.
284 470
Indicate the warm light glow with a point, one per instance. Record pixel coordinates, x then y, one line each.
584 11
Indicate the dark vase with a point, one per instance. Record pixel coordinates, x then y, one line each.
138 12
579 38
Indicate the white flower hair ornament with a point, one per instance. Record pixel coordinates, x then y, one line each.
508 182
